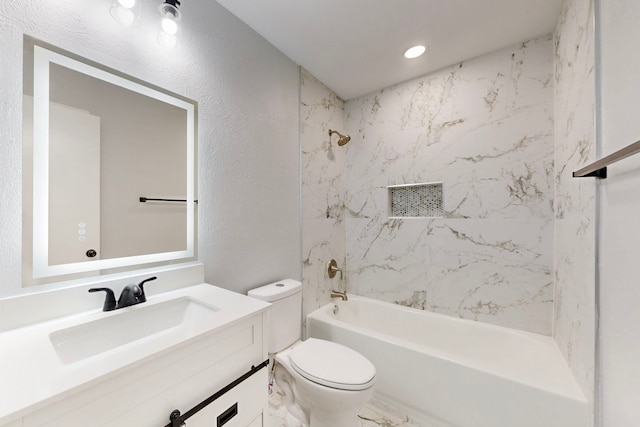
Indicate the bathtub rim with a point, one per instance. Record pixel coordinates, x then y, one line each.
569 390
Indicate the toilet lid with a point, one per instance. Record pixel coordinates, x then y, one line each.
332 365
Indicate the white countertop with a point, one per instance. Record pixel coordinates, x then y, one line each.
33 375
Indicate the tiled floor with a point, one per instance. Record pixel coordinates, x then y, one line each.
374 414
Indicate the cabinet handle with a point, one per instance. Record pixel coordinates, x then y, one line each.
227 415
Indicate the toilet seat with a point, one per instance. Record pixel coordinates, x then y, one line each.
332 365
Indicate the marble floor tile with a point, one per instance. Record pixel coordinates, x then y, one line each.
376 413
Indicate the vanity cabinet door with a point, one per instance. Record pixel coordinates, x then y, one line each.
238 408
145 395
257 422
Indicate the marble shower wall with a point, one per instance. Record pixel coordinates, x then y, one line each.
574 249
323 190
484 128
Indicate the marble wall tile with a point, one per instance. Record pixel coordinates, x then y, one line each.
387 260
323 161
485 129
493 269
574 314
322 241
574 247
475 269
323 190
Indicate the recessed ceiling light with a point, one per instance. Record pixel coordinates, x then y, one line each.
414 52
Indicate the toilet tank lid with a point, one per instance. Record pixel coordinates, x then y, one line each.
276 290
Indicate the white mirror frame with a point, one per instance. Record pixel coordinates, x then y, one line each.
41 267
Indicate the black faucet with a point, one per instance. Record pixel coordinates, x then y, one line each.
131 295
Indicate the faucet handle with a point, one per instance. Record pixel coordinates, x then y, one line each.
332 269
109 300
142 297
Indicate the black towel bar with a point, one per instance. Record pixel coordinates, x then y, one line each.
598 168
178 419
149 199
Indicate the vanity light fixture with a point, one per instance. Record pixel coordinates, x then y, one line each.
414 52
170 18
126 12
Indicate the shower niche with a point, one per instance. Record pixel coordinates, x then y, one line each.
425 200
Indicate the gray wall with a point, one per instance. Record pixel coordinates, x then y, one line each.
248 159
618 60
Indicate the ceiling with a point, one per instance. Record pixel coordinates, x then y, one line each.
356 47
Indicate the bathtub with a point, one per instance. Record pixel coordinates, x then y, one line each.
456 372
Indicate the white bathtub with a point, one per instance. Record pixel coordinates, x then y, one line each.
456 372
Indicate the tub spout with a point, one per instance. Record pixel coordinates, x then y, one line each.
338 294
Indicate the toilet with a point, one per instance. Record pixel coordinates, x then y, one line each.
324 383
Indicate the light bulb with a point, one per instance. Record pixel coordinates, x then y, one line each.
127 3
169 22
169 26
126 12
168 40
414 52
123 15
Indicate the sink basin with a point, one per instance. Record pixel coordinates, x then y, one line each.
144 322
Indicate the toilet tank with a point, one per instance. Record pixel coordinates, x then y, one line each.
284 320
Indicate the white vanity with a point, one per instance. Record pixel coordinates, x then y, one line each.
133 366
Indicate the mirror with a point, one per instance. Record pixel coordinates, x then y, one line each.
113 167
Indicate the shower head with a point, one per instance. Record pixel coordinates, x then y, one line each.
343 138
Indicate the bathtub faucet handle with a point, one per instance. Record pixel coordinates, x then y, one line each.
332 269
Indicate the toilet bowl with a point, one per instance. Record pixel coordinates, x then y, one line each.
324 383
327 382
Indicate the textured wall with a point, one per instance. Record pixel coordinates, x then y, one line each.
575 146
323 190
248 157
485 128
618 61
